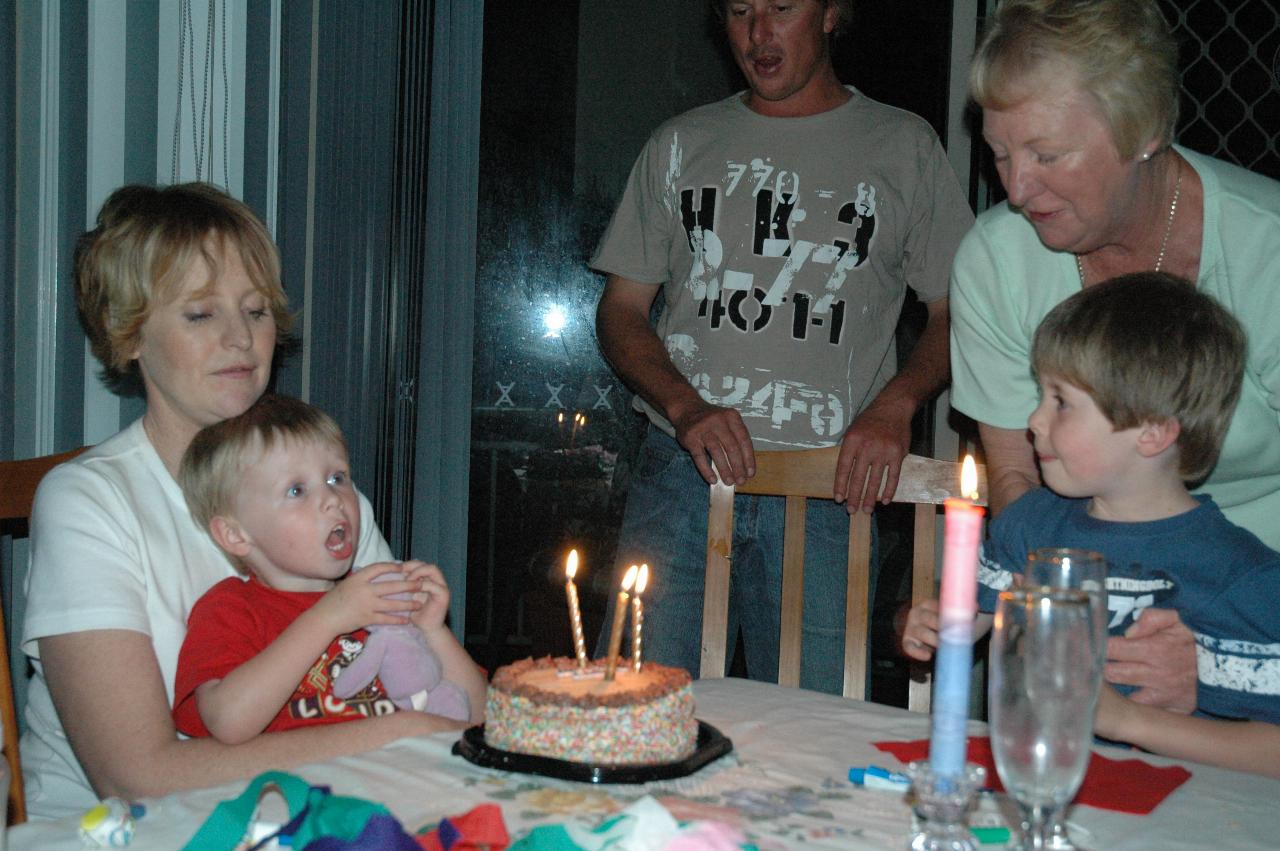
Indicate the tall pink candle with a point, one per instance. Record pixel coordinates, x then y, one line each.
957 606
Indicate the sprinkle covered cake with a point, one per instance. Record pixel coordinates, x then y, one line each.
548 707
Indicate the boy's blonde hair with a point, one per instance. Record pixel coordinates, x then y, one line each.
1150 347
213 466
145 241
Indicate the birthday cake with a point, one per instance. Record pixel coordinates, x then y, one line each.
551 707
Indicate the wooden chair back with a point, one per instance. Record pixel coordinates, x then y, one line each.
810 474
18 482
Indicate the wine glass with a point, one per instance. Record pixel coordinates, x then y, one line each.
1044 689
1082 570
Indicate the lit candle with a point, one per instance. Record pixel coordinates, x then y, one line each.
619 615
637 616
575 614
956 608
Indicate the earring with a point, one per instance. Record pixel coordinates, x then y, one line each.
1146 156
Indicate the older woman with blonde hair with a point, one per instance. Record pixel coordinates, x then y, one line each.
1079 101
179 289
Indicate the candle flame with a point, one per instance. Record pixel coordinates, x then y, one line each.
571 565
630 578
969 478
642 579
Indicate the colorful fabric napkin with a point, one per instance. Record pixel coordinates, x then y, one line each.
479 828
1122 785
646 825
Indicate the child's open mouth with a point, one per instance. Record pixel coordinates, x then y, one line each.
339 543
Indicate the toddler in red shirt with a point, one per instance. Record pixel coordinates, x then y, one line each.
262 653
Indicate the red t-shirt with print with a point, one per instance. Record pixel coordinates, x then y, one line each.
233 622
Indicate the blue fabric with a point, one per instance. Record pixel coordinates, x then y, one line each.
1220 578
382 832
665 525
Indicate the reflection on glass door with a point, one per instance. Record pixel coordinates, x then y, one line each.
569 96
553 431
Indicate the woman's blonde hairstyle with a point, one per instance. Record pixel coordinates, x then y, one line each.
1150 347
212 469
1121 52
144 242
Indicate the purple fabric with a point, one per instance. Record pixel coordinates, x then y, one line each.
448 834
381 833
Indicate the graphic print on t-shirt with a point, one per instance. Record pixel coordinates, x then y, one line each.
749 301
1130 590
771 260
314 696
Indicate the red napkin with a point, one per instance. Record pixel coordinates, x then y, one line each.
1123 785
481 827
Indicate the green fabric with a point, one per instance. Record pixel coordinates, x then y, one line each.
325 814
547 837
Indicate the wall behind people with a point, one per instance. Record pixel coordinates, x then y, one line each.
301 116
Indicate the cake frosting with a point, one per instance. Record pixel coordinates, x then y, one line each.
549 707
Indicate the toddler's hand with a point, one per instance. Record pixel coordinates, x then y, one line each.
431 592
358 601
920 632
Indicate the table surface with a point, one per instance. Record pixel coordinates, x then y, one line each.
785 784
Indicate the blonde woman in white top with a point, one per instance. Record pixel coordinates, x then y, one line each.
179 289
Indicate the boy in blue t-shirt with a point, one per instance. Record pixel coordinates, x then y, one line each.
1139 377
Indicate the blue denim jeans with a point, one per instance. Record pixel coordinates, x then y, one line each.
665 525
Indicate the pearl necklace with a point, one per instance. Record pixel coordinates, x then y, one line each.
1168 229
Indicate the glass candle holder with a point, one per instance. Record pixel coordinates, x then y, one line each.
941 806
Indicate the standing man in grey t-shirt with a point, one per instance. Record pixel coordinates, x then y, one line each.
785 224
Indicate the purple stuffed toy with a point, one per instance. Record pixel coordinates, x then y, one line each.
409 669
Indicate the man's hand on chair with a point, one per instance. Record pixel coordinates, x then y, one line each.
871 452
712 434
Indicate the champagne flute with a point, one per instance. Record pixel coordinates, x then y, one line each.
1044 689
1081 570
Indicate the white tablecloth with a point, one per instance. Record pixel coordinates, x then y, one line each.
785 785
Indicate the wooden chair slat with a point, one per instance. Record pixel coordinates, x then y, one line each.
18 483
810 474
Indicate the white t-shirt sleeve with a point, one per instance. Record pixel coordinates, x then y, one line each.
86 560
372 547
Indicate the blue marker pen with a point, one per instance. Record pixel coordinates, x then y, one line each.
875 777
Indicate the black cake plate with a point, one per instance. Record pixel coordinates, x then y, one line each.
473 748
